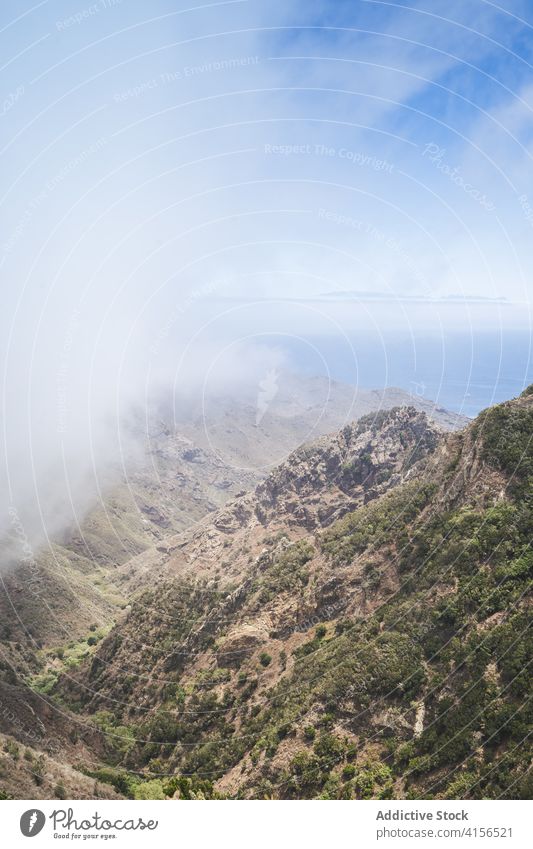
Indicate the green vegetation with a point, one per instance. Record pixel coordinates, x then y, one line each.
312 645
506 432
65 658
119 739
378 524
328 773
287 573
60 791
420 690
12 748
152 789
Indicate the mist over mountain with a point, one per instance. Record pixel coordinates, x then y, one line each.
180 189
301 640
265 356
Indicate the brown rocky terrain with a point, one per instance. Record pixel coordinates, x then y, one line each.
222 612
300 641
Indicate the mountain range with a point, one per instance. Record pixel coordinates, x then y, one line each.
350 623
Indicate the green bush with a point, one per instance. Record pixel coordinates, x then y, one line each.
376 524
152 789
288 571
506 435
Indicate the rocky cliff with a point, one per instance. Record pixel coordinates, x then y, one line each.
355 627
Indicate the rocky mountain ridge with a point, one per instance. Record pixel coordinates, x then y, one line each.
321 657
237 669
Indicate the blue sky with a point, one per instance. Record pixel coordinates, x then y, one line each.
173 173
441 94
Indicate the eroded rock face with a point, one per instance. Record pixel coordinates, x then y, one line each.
316 607
257 541
335 474
235 516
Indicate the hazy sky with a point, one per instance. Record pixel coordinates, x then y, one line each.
168 166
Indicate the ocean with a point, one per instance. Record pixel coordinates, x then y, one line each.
463 372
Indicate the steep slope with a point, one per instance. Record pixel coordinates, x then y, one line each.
316 483
338 652
175 477
316 486
59 601
70 583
